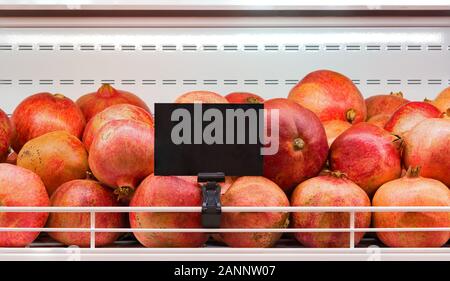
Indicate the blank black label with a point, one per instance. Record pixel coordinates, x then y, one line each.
184 155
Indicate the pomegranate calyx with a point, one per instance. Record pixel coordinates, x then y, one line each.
350 115
252 100
106 90
59 96
298 144
124 192
413 172
397 94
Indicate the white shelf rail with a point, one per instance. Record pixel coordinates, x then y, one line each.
352 229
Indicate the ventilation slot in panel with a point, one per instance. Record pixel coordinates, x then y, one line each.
189 82
87 47
189 48
25 47
107 47
292 47
45 47
332 47
25 82
6 47
66 47
148 47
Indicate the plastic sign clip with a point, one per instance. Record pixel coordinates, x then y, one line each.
211 206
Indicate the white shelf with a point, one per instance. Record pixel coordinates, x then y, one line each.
286 250
362 5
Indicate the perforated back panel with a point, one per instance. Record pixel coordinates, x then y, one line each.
159 64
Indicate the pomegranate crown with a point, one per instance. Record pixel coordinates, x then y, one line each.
413 172
106 90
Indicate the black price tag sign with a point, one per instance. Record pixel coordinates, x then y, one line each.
208 138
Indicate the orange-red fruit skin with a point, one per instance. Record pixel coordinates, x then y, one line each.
243 97
368 155
121 154
57 157
6 133
253 191
168 191
334 128
442 101
428 145
93 103
384 104
43 113
201 97
379 120
21 187
84 193
114 112
330 95
409 115
290 166
328 190
416 191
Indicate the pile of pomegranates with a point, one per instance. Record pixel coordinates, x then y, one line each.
335 148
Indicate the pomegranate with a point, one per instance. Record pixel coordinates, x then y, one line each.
442 101
168 191
379 120
384 104
21 187
412 190
334 128
303 146
243 97
331 96
253 191
428 145
335 190
93 103
368 155
121 155
409 115
84 193
5 135
201 97
43 113
57 157
114 112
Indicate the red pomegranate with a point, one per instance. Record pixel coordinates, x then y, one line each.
121 155
201 97
243 97
84 193
428 145
412 190
384 104
93 103
328 190
334 128
254 191
409 115
303 146
21 187
114 112
331 96
379 120
43 113
368 155
168 191
57 157
6 133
